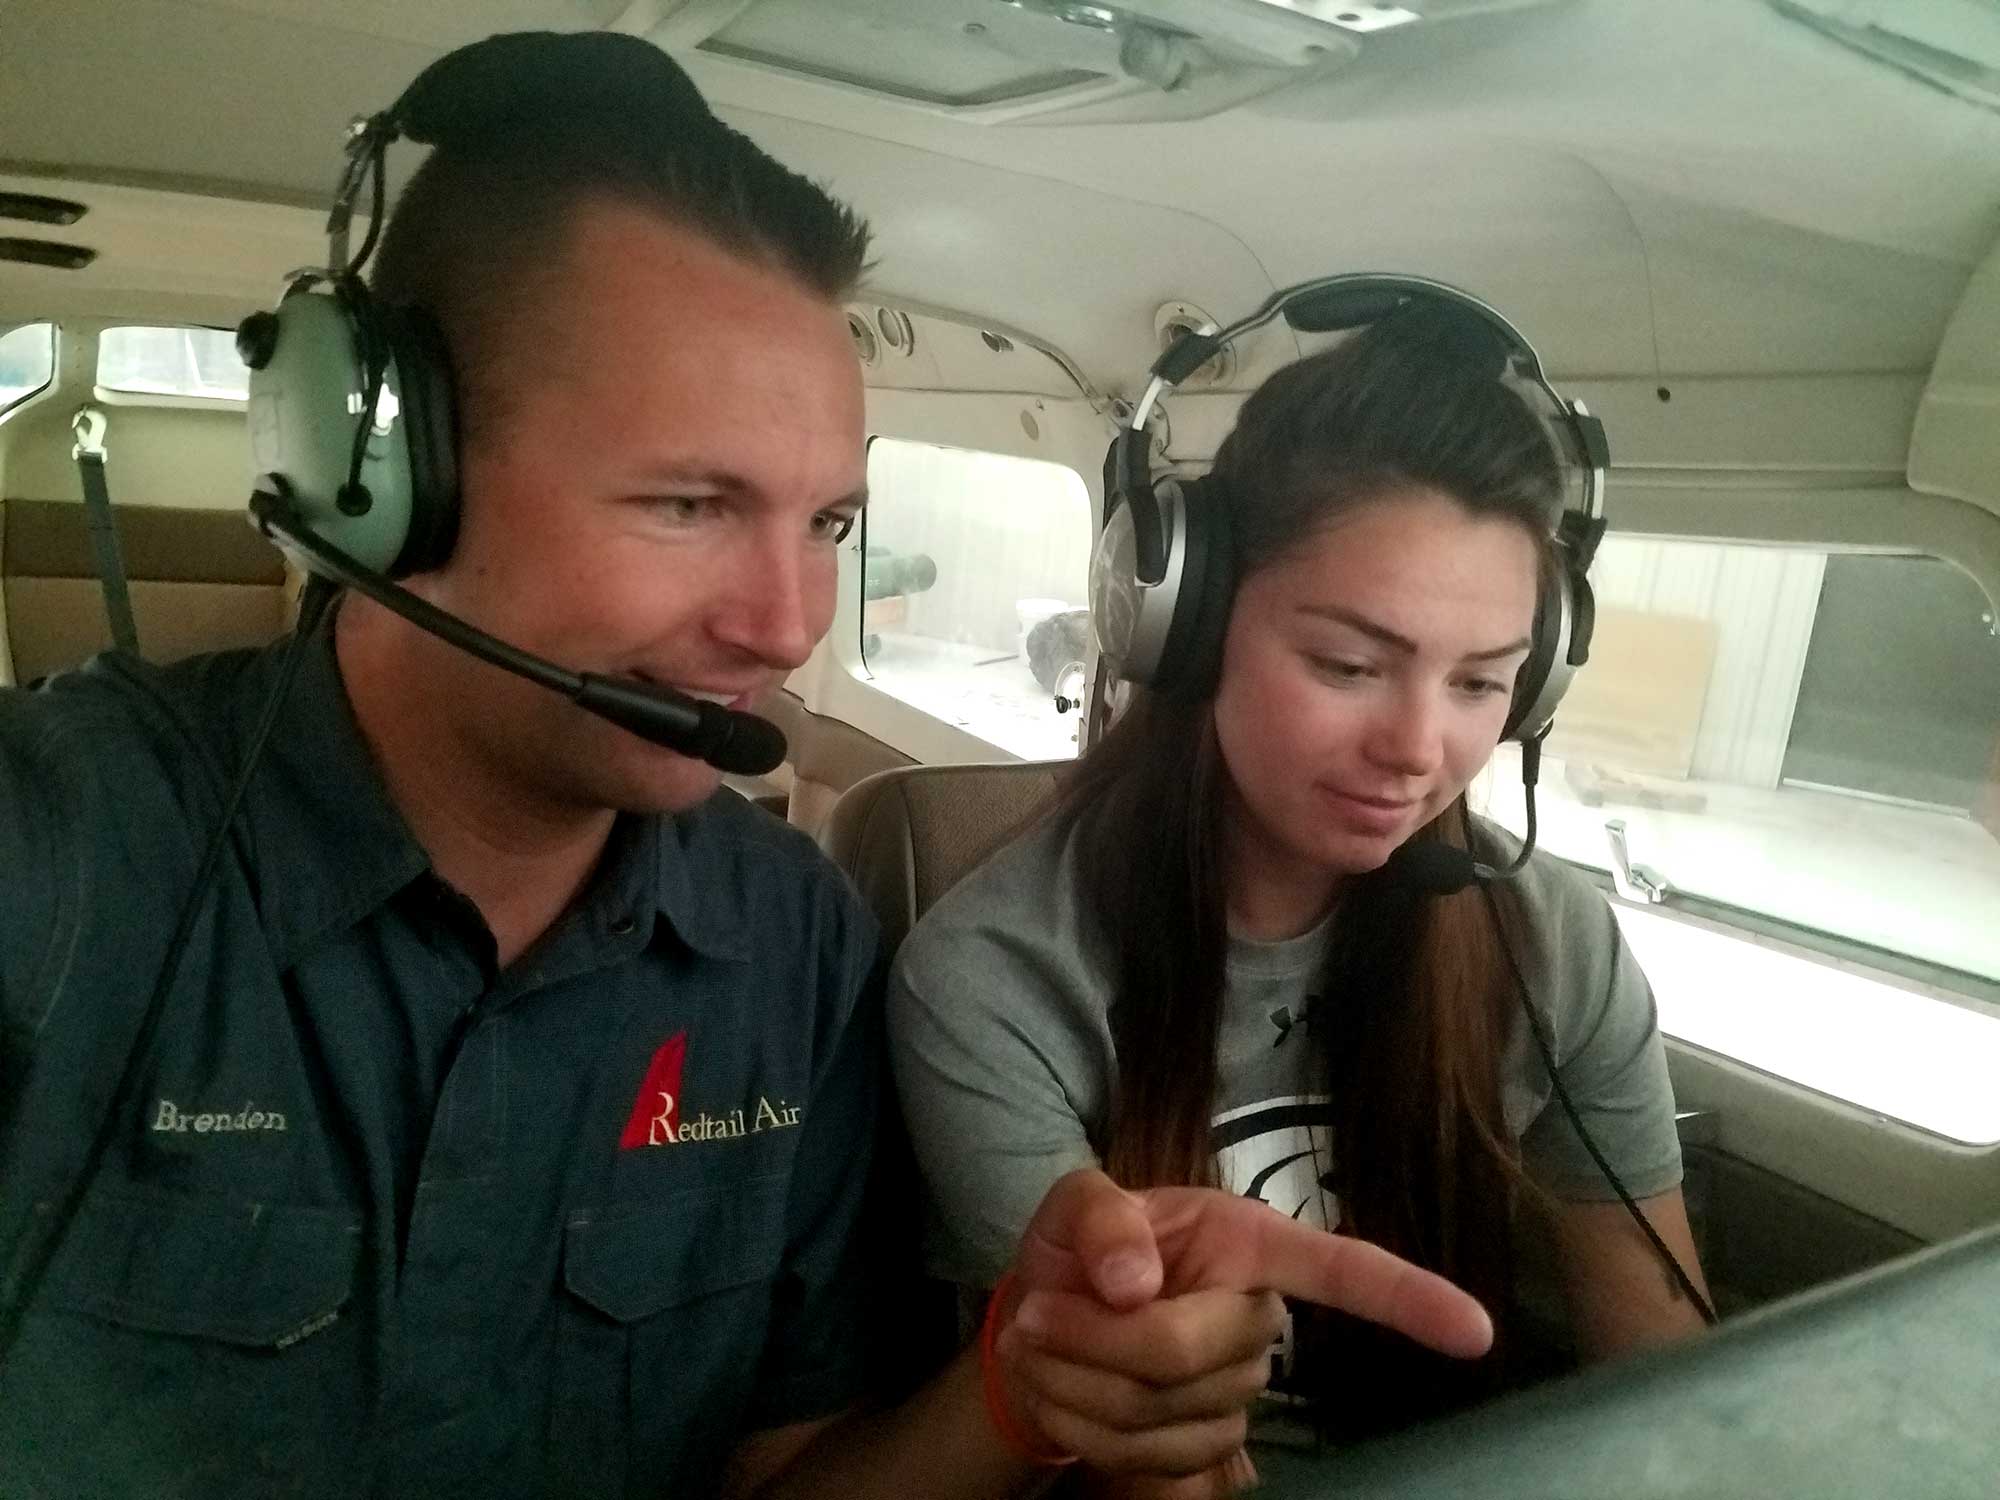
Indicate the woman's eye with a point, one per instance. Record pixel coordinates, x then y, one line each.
1486 687
1342 671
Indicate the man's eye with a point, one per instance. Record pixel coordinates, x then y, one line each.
684 508
832 526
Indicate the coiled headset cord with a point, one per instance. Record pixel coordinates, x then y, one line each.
1666 1254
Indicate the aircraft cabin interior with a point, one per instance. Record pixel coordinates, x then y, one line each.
1759 238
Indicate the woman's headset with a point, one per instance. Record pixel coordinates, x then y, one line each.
352 415
1163 575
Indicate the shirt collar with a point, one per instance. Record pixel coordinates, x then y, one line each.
696 881
332 847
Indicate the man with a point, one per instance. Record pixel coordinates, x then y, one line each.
508 1124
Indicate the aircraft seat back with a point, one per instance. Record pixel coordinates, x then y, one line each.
200 580
907 836
825 756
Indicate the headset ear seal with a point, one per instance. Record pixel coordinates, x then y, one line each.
423 369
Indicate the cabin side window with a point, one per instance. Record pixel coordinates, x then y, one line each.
1803 745
27 363
186 362
973 585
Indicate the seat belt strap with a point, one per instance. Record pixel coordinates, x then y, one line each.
89 454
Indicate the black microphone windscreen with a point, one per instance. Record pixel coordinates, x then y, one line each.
1431 868
738 743
752 747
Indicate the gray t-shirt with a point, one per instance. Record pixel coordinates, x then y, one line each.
1000 1033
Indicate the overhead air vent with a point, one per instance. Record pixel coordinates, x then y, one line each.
1173 321
47 253
37 209
898 332
999 61
865 344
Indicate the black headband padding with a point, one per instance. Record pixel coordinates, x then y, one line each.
1336 308
529 82
1481 345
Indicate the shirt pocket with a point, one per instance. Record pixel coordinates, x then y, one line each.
183 1336
662 1334
260 1275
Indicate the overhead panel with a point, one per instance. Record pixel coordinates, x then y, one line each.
157 256
949 235
1952 45
1043 61
1955 445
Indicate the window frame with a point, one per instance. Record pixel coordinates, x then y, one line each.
848 650
15 403
1650 511
1797 954
1967 549
116 395
1936 981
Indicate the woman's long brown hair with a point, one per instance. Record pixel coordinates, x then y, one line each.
1419 999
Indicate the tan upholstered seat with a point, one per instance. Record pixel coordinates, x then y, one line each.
200 580
825 757
905 837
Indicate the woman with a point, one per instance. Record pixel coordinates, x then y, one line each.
1194 969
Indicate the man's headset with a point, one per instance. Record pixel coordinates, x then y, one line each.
352 430
352 414
1163 575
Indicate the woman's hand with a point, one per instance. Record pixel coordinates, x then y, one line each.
1137 1327
1162 1389
1230 1477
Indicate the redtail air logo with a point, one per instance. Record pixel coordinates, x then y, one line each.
656 1113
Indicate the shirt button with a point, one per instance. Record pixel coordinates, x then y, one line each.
620 926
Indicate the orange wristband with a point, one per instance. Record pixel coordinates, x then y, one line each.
996 1398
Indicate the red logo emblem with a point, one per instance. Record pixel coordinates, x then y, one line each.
656 1113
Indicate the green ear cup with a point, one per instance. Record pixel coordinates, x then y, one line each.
305 401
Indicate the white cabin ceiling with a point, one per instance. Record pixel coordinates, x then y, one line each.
1697 188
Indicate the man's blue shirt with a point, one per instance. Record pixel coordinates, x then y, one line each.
387 1218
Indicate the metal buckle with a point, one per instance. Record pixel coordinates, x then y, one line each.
89 426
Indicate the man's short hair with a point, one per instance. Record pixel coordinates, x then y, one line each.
475 229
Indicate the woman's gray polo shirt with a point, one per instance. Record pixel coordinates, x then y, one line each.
1000 1032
